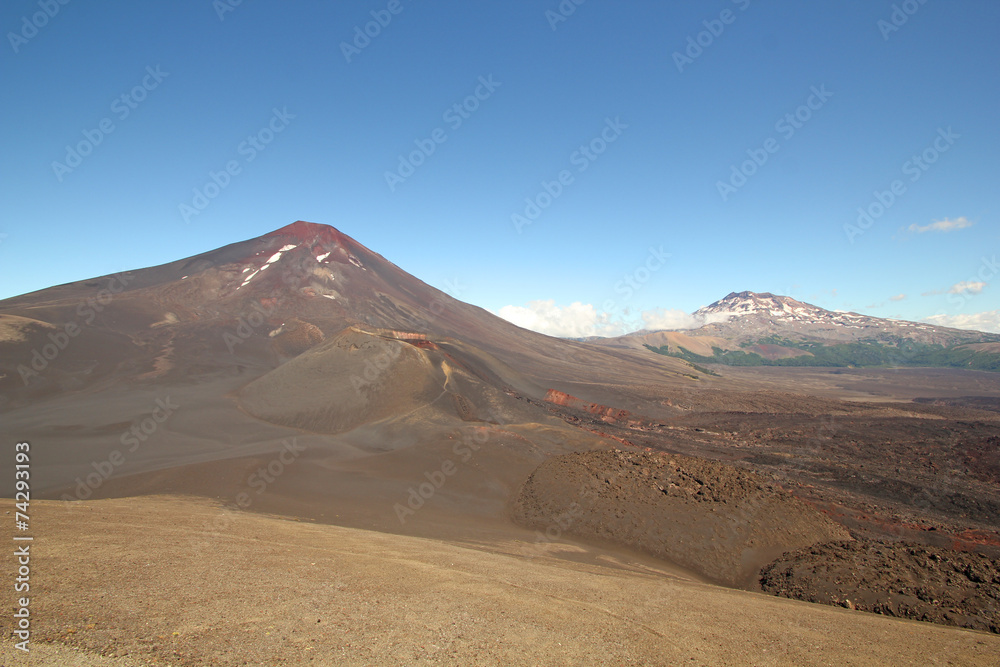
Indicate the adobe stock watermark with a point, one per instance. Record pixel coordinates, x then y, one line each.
223 7
786 126
248 150
293 276
455 116
436 308
696 44
630 284
258 481
901 13
988 269
914 168
30 25
561 523
21 618
375 367
122 107
581 158
132 439
86 311
434 480
247 324
562 12
363 36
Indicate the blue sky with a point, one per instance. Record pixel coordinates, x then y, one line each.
642 109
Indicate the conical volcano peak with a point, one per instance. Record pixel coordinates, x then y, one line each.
323 240
304 252
312 231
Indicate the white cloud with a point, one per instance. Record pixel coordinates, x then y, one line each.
967 287
661 318
945 225
580 320
985 321
970 287
898 297
577 320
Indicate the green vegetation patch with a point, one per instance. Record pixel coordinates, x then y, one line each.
864 354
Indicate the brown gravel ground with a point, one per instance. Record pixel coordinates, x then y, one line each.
141 581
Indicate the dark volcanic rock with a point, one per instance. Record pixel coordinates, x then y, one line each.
715 519
903 580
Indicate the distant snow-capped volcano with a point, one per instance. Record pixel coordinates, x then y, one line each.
745 315
767 305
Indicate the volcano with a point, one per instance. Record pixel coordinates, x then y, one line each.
254 304
302 332
764 329
302 376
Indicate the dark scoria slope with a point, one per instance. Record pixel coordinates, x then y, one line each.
255 303
300 333
717 520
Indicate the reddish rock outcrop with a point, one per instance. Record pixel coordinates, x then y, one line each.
605 413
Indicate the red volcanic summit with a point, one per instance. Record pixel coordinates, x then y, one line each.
312 231
317 236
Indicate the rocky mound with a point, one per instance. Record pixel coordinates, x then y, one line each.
358 377
352 379
903 580
715 519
